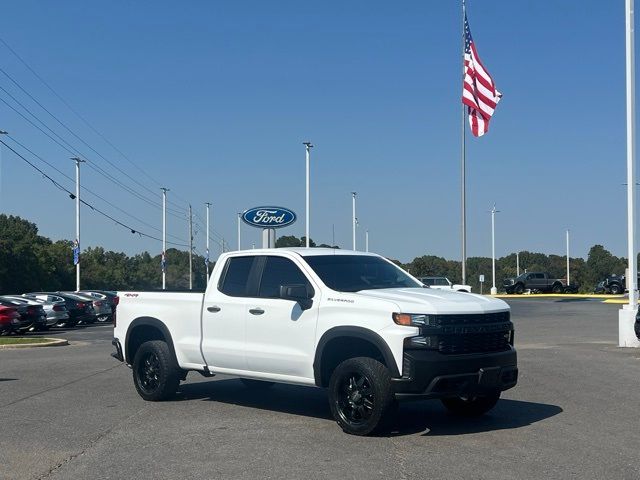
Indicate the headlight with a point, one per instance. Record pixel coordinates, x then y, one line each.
414 319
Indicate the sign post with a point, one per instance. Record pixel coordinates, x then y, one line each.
481 282
268 219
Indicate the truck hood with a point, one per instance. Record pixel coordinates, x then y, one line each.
431 300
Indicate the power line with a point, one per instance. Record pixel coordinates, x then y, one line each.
73 151
84 202
87 190
76 113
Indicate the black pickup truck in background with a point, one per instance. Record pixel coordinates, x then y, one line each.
534 281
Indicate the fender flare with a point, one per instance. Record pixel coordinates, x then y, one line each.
151 322
354 332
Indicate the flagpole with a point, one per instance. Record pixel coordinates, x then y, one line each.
463 168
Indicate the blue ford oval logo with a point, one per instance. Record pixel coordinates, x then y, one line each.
269 217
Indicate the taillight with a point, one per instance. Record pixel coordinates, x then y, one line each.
116 300
80 305
97 304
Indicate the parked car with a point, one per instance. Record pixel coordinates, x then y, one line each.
55 312
80 310
443 283
534 281
32 316
9 319
110 298
101 307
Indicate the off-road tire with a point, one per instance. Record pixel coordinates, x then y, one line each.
256 384
360 396
471 406
518 289
156 374
557 288
615 289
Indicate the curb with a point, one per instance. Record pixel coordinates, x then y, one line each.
54 342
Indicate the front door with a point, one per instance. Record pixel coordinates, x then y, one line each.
280 335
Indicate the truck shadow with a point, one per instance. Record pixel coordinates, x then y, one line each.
428 418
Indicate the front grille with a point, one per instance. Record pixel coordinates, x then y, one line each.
473 343
470 333
471 319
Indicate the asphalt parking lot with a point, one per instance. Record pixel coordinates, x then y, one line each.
73 413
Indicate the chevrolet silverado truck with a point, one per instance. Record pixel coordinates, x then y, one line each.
351 322
534 281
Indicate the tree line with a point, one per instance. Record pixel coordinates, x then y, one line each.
32 262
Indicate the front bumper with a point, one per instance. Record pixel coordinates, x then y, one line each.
430 374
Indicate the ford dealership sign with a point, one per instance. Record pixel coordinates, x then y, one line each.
269 217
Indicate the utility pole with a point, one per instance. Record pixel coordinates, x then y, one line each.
77 242
354 220
494 290
517 264
626 316
190 249
568 278
206 260
2 132
239 242
366 241
308 148
163 260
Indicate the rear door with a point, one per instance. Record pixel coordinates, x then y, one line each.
280 335
224 314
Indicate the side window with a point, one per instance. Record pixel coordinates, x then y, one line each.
442 282
236 276
280 271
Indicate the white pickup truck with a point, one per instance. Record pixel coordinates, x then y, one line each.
351 322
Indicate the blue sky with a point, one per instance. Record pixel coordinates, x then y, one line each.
214 100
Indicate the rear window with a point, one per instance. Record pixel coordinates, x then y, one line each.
236 277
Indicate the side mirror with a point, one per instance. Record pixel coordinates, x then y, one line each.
297 293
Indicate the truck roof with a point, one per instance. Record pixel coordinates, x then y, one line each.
306 252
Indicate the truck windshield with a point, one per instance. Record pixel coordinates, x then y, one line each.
352 273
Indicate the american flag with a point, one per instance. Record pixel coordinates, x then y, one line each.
479 92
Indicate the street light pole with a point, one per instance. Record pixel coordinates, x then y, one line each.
366 241
163 260
77 242
494 290
353 194
568 277
517 264
2 132
208 205
239 244
626 316
190 248
308 148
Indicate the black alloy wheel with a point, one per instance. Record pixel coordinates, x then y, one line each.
615 289
558 289
360 395
156 374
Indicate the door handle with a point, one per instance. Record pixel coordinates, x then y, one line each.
213 309
256 311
